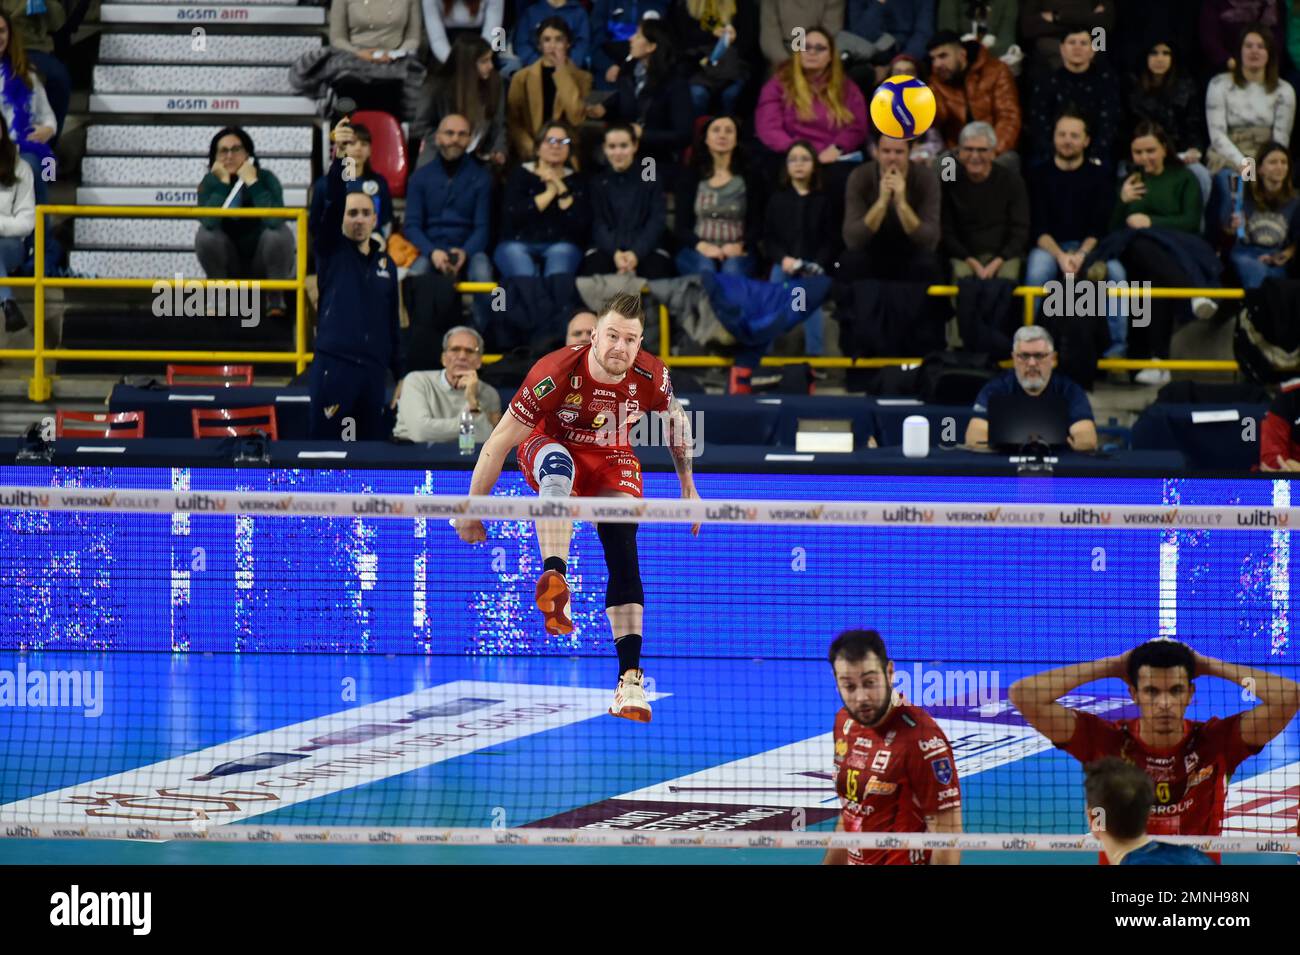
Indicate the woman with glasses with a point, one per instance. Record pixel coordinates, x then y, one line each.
546 218
552 89
258 247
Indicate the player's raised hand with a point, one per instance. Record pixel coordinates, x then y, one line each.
471 532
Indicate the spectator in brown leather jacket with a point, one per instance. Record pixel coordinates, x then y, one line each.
971 86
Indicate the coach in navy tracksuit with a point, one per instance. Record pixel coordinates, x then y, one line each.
357 335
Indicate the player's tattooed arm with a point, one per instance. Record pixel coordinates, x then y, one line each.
680 442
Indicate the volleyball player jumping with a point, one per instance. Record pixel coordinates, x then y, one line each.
569 421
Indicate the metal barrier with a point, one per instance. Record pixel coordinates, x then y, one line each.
39 387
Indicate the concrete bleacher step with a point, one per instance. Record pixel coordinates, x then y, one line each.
231 49
213 12
176 235
103 139
162 196
170 171
177 80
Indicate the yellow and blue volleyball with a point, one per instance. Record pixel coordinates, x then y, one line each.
903 107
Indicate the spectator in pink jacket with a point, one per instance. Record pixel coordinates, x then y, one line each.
809 98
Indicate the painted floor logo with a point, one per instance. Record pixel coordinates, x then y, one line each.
76 908
53 688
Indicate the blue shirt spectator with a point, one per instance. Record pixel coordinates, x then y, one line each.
909 22
1076 399
571 12
449 204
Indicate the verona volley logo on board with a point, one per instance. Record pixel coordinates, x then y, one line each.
903 107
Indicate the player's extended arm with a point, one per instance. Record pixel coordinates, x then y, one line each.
681 446
837 856
949 820
1035 696
1279 698
506 435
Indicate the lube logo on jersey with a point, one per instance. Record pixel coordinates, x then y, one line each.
881 761
544 387
932 745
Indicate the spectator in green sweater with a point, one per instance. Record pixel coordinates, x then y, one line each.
259 247
1160 194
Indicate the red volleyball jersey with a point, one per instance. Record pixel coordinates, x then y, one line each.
890 777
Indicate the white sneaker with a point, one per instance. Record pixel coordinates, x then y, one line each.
1203 307
629 699
1156 377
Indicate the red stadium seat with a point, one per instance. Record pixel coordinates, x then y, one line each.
233 422
228 375
121 424
387 148
696 131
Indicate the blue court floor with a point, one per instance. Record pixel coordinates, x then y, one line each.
333 740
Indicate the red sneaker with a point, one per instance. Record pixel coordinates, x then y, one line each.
553 602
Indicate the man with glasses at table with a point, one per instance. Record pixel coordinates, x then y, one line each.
430 403
1034 354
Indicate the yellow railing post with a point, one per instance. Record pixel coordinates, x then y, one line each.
665 333
39 388
300 333
1030 299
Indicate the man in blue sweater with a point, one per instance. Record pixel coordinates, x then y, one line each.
357 335
448 207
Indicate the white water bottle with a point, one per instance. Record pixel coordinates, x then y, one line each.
916 436
466 431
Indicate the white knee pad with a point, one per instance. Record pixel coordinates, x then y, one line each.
553 471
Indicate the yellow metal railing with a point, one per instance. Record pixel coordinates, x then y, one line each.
39 388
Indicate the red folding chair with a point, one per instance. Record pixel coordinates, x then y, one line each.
120 424
226 375
388 155
233 422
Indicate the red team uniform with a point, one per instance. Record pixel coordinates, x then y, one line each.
1191 778
890 777
562 403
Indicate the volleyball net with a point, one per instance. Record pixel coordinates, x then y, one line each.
298 656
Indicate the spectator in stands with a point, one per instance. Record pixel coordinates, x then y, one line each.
25 106
809 99
546 214
1249 105
1066 220
370 59
430 403
467 84
612 24
1266 222
552 89
17 221
799 229
926 147
260 247
1162 92
357 336
1222 22
877 32
1044 24
582 325
719 205
992 22
529 46
1088 86
1034 355
985 211
628 214
969 85
891 218
784 20
653 97
1161 195
1139 24
706 39
37 21
446 21
449 208
372 183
